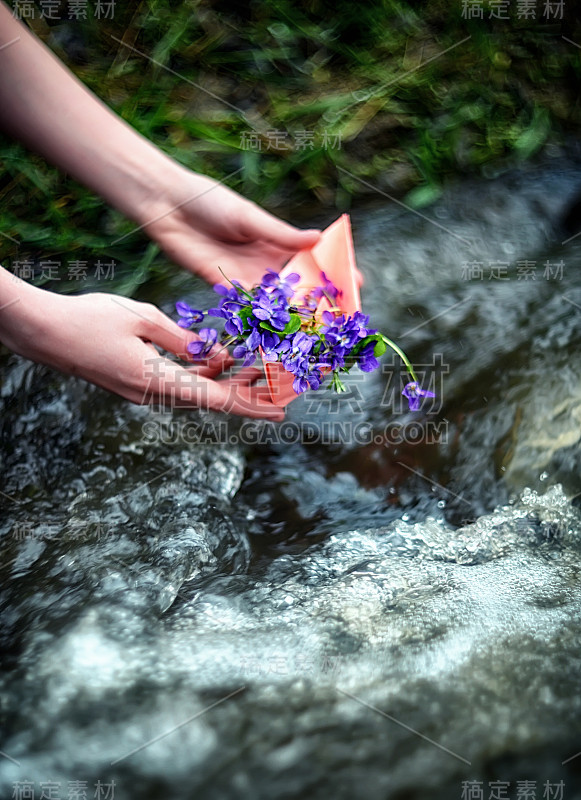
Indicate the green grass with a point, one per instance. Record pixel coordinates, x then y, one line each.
369 82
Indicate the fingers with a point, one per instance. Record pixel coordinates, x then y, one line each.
239 395
217 362
154 326
209 368
246 376
262 225
169 384
243 393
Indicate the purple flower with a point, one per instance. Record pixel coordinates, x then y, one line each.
255 321
234 325
247 349
245 352
314 374
229 311
270 343
300 384
328 290
226 292
267 308
341 334
294 349
413 393
344 332
307 375
188 314
201 348
366 358
297 359
272 280
333 359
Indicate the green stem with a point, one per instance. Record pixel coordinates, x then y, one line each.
337 384
401 354
225 345
238 288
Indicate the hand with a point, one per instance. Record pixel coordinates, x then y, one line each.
203 226
199 223
108 340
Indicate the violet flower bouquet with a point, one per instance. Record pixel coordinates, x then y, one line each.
282 325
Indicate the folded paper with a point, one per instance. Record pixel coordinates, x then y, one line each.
334 255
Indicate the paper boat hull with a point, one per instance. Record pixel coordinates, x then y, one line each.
335 256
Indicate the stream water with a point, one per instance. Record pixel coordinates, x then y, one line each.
369 602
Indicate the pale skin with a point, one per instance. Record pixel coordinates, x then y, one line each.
201 225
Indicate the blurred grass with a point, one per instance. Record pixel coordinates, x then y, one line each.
388 91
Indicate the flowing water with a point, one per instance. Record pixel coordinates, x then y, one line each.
362 603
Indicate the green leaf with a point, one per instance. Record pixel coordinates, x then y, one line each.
268 327
373 337
380 348
293 325
244 313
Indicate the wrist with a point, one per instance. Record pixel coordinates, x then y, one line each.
158 203
20 310
13 291
142 182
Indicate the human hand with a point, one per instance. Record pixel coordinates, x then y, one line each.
108 340
204 226
201 224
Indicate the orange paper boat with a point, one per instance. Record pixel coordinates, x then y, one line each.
335 256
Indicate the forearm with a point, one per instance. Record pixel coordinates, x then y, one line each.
47 108
12 291
199 223
19 303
